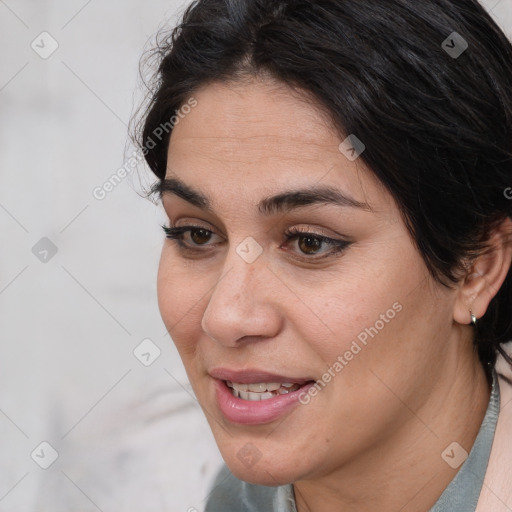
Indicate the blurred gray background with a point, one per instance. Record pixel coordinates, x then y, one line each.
96 413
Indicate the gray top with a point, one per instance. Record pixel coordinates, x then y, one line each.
232 495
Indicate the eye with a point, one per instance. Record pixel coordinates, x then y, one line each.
189 237
314 244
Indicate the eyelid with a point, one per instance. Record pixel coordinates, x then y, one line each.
316 231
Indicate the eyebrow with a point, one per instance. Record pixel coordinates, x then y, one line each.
273 205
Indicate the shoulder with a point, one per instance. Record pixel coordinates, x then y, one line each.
497 489
504 371
229 494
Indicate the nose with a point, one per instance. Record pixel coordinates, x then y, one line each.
244 305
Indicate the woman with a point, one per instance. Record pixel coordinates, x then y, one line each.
337 274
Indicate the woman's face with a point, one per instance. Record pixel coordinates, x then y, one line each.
347 302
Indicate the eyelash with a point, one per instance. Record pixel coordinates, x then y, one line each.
338 246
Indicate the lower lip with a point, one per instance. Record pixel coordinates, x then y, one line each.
247 412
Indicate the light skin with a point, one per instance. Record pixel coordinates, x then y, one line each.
372 439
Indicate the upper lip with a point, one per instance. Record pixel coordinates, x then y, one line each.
254 376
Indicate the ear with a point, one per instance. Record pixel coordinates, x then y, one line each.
485 275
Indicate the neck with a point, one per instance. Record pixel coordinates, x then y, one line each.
408 472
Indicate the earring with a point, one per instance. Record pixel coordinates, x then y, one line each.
473 317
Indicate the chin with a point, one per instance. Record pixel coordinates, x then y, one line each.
258 462
262 473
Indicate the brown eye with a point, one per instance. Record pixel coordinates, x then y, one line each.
190 238
200 236
314 246
309 244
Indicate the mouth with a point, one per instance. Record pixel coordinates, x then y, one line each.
254 397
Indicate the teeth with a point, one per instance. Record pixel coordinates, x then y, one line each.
259 387
261 390
254 397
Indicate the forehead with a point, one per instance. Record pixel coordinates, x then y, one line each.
260 135
259 117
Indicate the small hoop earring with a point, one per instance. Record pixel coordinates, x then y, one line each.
473 317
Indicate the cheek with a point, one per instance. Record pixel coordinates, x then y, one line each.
374 322
351 307
179 300
385 339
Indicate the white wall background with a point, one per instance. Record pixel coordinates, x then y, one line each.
129 438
